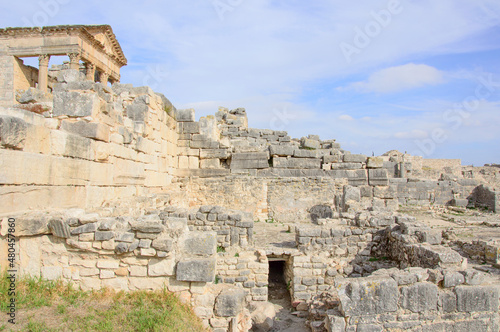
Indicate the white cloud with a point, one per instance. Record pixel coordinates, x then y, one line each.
345 117
399 78
413 134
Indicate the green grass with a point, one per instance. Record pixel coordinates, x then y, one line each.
55 306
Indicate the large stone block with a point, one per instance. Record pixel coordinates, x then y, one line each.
189 127
59 228
378 177
230 302
477 298
97 131
375 162
12 132
185 115
137 111
354 158
212 163
161 267
281 150
297 163
75 104
128 172
368 296
214 153
250 160
420 297
202 270
201 243
32 225
308 143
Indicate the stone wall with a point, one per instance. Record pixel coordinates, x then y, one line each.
95 144
6 79
24 76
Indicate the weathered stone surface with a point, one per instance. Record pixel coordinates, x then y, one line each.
32 225
310 143
452 279
263 316
185 115
59 228
419 297
281 150
137 111
297 163
214 153
104 235
250 160
304 153
87 228
202 270
230 302
12 132
354 158
33 95
161 267
477 298
147 226
92 130
320 212
121 248
374 162
75 104
368 296
378 177
201 243
162 244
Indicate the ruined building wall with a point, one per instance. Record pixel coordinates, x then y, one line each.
24 76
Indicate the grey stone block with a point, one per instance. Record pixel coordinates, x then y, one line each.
185 115
369 328
124 237
460 202
476 298
162 244
147 226
473 277
201 243
354 158
59 228
12 132
310 143
296 163
281 150
452 279
255 160
121 248
329 159
87 228
214 153
378 177
303 153
419 297
104 235
137 111
448 302
230 302
201 270
368 296
374 162
97 131
189 127
345 165
75 104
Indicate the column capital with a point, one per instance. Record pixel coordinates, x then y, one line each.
74 56
43 59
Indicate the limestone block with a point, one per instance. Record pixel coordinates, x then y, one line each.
330 159
32 225
476 298
30 255
420 297
51 272
12 132
104 235
296 163
214 153
452 279
281 150
189 128
33 95
185 115
147 226
201 243
354 158
145 145
368 296
356 177
194 162
161 267
250 160
138 271
303 153
88 228
230 302
137 111
212 163
162 244
375 162
183 162
345 165
93 130
75 104
310 143
59 228
202 270
128 172
37 139
378 177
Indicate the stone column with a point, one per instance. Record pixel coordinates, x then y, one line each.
43 72
74 60
103 78
90 72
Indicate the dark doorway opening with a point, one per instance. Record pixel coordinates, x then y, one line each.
277 283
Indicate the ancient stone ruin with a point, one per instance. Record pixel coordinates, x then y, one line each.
112 186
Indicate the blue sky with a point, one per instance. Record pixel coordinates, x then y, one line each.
417 76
